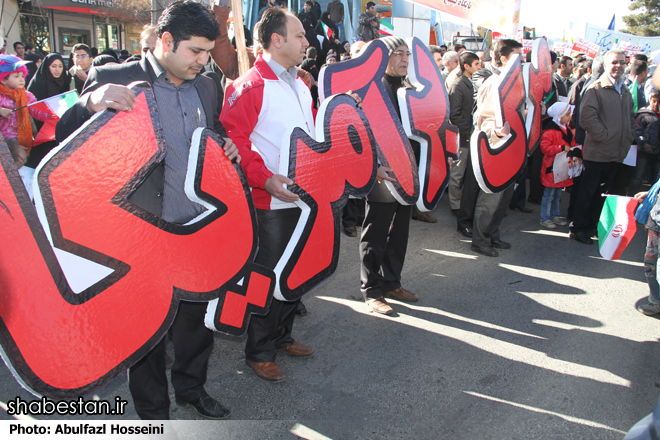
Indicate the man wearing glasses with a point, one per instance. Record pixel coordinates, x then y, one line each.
384 238
606 114
82 62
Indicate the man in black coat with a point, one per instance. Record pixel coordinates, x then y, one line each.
186 33
461 105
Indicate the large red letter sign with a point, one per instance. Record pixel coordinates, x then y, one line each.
95 258
425 117
363 76
341 163
538 82
497 166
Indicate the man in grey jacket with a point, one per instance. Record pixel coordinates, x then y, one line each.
606 114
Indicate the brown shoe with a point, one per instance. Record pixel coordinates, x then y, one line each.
379 305
266 370
298 350
403 295
423 217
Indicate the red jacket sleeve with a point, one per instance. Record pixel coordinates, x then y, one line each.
240 114
552 143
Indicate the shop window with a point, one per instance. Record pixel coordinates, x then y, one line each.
34 30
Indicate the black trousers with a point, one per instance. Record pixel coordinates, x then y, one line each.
383 246
622 181
536 188
471 189
352 213
597 179
519 197
646 164
192 342
267 333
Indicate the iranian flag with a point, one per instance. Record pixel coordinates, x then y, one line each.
386 29
616 226
56 106
326 30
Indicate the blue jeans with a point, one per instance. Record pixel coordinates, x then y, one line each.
550 203
340 28
650 264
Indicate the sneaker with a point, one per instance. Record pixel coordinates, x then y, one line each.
549 224
560 221
649 309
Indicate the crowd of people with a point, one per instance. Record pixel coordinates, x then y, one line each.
590 116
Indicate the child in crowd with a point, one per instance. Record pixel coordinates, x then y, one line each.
557 137
15 125
651 258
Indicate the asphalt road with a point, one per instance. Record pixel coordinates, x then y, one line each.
543 342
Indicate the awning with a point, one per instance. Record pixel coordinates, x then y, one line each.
94 7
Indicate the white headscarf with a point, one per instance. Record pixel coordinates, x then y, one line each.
558 110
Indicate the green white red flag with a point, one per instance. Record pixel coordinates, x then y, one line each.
327 31
616 226
386 29
55 105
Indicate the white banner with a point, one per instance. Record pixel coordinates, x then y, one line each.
607 39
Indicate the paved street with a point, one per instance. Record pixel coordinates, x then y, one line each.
543 342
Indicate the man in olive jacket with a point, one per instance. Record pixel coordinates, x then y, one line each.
606 114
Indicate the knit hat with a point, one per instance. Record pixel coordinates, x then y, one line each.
10 64
392 43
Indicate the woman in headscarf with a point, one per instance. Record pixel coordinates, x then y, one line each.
51 79
329 44
32 67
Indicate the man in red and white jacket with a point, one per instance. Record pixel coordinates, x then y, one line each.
262 107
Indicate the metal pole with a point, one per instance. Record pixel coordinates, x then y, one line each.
239 35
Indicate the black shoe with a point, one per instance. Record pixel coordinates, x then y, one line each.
206 406
485 250
582 237
351 231
592 233
524 209
466 232
301 309
499 244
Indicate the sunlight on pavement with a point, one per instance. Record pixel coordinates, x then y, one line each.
492 345
464 319
543 411
453 254
594 304
629 263
303 431
547 232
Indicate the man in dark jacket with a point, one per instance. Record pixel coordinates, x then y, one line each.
606 114
336 10
647 138
186 33
368 24
461 105
384 239
563 74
